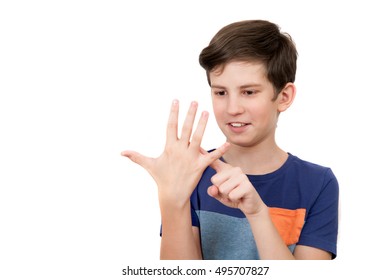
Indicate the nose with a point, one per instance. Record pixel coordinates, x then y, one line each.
234 106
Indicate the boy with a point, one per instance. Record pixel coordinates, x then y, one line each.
248 199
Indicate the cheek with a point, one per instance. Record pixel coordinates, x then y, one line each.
264 114
218 109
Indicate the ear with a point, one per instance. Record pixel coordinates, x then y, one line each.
286 97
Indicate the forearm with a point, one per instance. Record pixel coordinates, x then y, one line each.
178 241
269 243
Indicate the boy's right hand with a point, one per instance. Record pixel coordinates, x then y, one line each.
179 168
232 188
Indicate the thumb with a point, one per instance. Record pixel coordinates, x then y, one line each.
139 159
214 192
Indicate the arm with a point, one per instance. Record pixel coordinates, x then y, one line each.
179 239
232 188
271 246
176 172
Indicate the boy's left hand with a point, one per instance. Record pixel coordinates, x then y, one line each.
232 188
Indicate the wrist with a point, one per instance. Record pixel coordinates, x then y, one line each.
175 197
174 215
174 205
261 213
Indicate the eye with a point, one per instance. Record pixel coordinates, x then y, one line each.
249 92
220 93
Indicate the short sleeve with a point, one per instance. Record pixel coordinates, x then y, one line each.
321 226
194 206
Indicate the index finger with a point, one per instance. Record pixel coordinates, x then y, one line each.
173 122
219 165
215 156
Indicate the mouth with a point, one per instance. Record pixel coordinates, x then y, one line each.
237 124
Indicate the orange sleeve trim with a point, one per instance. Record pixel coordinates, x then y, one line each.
289 223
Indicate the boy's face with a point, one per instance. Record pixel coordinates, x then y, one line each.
242 101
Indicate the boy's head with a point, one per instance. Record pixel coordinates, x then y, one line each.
253 41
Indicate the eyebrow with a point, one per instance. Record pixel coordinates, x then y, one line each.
241 87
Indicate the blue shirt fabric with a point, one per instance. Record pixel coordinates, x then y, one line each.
298 185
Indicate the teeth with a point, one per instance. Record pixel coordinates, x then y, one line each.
237 124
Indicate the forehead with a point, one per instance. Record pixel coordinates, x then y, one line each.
237 72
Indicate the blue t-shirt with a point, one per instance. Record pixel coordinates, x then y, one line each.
303 202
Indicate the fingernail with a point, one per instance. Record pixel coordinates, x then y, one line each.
175 102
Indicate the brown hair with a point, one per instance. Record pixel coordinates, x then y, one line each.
253 40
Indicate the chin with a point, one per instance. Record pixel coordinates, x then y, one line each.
240 142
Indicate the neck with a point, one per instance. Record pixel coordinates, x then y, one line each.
257 160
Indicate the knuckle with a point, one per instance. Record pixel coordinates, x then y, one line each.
187 126
232 197
214 180
172 124
223 192
135 158
220 189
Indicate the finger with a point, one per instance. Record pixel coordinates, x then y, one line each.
218 165
139 159
226 182
236 194
203 151
214 158
172 123
188 123
213 192
199 132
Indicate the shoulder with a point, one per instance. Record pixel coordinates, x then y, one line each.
317 180
306 164
309 169
313 179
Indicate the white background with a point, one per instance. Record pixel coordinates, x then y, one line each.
80 81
